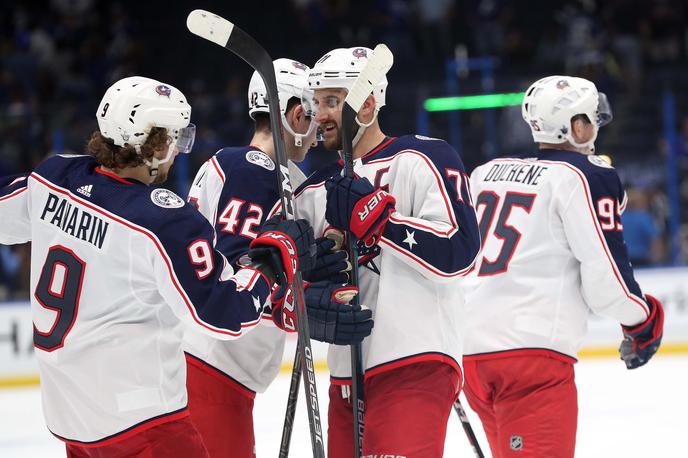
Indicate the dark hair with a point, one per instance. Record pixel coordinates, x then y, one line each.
583 117
107 154
262 120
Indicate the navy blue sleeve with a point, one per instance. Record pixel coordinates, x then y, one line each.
608 196
440 237
220 304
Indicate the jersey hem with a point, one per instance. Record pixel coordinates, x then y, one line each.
219 375
518 352
401 362
131 431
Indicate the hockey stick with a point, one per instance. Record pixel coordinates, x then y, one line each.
376 68
222 32
468 429
379 64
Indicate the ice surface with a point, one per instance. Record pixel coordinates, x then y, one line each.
640 413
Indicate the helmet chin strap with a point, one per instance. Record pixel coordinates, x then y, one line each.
154 163
362 127
298 138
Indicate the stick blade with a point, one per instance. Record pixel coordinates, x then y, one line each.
209 26
376 68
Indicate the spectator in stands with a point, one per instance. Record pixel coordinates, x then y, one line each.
641 231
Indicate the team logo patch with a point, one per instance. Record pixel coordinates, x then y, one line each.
562 84
360 52
516 443
261 159
163 90
166 199
598 161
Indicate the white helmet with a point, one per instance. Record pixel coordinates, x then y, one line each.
551 102
132 106
340 67
292 81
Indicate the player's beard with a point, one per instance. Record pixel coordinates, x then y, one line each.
333 140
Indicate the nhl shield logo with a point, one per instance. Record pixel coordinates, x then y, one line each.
516 443
163 90
298 65
360 52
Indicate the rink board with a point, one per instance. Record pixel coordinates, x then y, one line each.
18 365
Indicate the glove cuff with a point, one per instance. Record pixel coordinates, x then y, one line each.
286 247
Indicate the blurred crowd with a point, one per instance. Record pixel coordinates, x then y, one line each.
58 56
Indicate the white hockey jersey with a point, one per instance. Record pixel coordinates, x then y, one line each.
115 266
411 280
236 191
553 250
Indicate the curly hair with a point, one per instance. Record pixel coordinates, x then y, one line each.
109 155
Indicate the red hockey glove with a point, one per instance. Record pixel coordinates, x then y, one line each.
330 317
354 204
283 309
282 248
641 342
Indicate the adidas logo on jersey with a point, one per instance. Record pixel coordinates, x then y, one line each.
85 190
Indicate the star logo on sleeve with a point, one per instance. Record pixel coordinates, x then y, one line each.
410 239
256 303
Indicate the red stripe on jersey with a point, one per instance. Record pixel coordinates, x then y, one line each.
100 170
379 147
313 186
13 194
384 241
399 219
218 169
596 222
515 353
438 177
157 244
129 432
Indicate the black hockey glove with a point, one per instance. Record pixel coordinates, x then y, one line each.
282 248
330 317
355 205
331 262
641 342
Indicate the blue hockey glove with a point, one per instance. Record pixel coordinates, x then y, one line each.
331 262
330 317
641 342
282 248
356 205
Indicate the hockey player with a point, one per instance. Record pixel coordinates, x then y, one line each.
236 191
116 265
420 236
553 250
